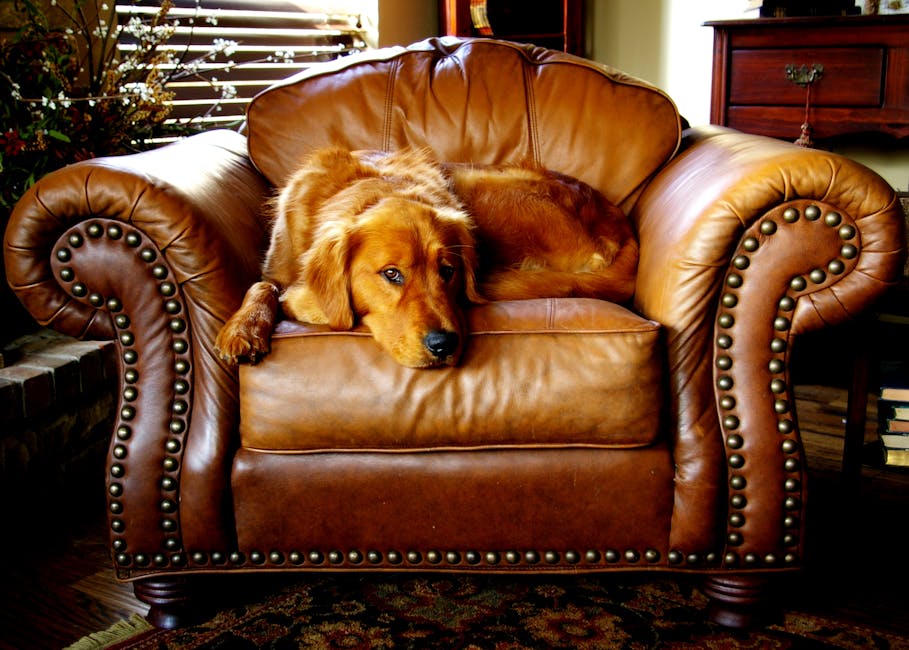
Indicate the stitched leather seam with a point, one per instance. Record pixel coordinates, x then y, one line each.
550 329
532 126
449 448
389 103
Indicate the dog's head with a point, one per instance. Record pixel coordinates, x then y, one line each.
404 268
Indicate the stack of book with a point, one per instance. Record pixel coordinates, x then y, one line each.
893 412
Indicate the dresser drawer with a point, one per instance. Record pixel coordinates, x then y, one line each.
864 86
852 76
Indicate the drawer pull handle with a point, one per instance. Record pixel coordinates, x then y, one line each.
804 75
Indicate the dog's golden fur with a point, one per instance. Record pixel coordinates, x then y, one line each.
399 242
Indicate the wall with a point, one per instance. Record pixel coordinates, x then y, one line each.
663 42
402 22
666 43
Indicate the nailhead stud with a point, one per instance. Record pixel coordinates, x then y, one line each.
833 219
836 267
847 232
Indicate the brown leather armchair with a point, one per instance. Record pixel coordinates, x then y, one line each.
575 436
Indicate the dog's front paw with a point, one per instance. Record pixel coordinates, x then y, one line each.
238 344
246 336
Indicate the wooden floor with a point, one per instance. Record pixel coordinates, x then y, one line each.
58 588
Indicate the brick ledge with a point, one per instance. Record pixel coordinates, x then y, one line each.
52 371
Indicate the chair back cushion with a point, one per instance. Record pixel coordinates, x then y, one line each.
472 100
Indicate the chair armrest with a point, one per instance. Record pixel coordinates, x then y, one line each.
154 250
747 242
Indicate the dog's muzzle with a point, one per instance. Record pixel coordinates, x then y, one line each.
441 343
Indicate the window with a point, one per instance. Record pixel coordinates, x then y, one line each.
240 47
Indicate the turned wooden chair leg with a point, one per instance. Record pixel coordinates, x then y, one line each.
169 600
737 601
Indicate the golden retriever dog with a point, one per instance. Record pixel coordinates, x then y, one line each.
402 244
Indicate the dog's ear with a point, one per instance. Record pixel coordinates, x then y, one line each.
470 264
325 272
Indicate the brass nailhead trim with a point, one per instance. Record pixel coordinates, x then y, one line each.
413 558
725 361
77 238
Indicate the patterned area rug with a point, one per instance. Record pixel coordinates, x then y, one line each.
491 612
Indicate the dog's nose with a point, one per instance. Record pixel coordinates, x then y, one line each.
441 343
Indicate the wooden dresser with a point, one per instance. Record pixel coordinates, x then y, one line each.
860 66
557 24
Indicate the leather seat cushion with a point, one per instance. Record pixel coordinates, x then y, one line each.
535 373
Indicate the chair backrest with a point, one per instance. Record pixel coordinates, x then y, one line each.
473 100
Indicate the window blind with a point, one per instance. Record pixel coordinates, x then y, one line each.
256 42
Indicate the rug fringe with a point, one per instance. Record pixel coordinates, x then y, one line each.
119 631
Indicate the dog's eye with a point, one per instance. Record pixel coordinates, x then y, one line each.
393 275
446 272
